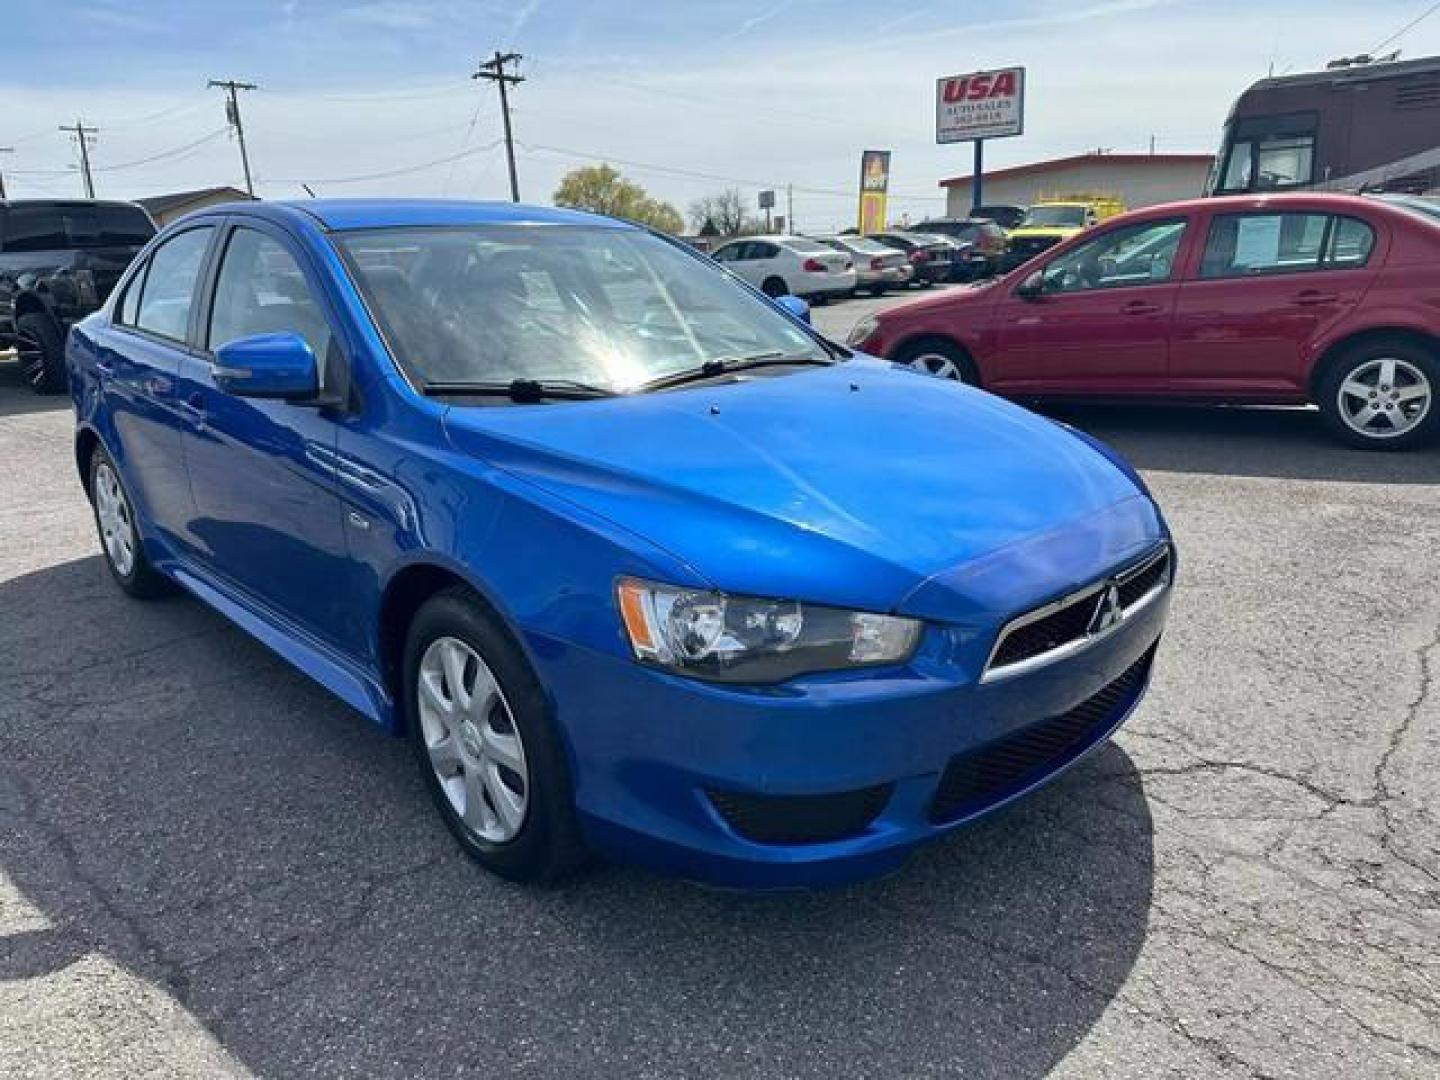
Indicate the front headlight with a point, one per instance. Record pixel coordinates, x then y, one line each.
862 330
745 639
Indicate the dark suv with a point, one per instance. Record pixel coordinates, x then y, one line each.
58 262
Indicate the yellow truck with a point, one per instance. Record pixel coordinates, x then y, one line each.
1055 218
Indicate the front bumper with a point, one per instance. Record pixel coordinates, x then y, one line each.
656 757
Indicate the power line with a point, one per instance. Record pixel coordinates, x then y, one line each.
164 155
400 171
82 138
493 70
1431 10
232 114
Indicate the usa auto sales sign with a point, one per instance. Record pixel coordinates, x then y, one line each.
981 105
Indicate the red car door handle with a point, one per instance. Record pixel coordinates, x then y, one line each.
1139 307
1315 296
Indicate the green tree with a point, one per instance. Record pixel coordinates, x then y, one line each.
602 190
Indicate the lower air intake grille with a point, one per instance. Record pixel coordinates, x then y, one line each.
977 779
801 819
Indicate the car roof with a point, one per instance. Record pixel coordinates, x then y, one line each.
345 214
20 203
1320 202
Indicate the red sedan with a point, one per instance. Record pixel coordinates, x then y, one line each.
1275 299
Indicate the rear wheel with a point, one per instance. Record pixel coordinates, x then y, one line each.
774 287
485 744
1381 395
943 359
41 348
119 535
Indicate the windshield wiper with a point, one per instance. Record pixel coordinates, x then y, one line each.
726 365
520 390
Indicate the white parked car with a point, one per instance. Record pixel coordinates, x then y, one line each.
877 266
796 265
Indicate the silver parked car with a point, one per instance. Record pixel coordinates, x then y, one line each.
877 266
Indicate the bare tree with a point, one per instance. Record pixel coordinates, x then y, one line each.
725 210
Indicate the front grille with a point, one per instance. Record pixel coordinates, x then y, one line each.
1081 618
980 778
802 819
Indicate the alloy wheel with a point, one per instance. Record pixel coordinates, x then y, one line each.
937 364
472 740
31 353
117 527
1384 397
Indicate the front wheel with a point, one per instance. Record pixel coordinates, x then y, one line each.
479 727
939 358
1381 395
774 288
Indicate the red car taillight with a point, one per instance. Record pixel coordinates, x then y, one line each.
877 263
919 256
813 266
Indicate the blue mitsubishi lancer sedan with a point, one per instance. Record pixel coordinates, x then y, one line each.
638 563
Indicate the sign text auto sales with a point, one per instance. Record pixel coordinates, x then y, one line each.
981 105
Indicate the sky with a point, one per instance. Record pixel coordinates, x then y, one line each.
683 96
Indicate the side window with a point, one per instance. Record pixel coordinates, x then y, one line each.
728 253
1241 245
1135 255
763 251
129 303
169 289
1351 242
261 290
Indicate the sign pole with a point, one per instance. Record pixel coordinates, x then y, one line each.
977 188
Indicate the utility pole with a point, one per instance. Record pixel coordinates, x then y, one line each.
493 70
4 150
790 209
232 114
82 136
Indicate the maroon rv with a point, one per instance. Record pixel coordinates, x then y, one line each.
1359 125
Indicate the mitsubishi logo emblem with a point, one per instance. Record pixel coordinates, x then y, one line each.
1107 611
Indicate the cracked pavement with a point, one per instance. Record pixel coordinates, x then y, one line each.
209 867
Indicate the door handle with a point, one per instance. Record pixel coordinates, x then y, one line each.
1140 307
1314 296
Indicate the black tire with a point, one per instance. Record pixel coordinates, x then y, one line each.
774 287
876 290
547 845
1416 370
140 580
41 346
941 358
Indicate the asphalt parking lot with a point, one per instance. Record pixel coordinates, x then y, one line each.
210 867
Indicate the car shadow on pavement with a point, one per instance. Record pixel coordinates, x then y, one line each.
185 805
1260 442
16 397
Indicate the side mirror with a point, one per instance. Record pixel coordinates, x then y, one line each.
795 306
267 366
1032 287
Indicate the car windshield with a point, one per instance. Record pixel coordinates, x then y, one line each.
1056 215
607 307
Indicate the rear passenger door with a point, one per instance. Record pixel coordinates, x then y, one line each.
137 363
1267 285
267 517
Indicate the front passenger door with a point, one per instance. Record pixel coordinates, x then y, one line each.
1101 323
267 515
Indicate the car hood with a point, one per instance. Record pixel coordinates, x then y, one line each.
850 485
